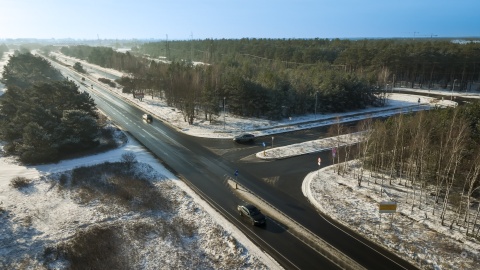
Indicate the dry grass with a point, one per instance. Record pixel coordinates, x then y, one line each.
129 244
115 183
20 182
118 245
97 247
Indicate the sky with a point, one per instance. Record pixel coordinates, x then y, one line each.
201 19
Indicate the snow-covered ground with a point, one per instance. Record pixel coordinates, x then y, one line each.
316 187
412 234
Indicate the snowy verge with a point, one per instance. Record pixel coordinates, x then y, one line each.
407 233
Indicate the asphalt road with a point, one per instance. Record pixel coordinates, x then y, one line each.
205 163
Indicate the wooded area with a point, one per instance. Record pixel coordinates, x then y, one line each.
43 116
436 154
421 62
250 88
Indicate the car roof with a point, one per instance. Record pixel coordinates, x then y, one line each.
250 207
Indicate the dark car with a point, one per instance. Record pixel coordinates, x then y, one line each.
147 117
252 213
244 138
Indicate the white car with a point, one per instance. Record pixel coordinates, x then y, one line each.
244 138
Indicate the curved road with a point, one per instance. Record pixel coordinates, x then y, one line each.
205 163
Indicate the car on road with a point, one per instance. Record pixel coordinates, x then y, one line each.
147 117
252 214
246 137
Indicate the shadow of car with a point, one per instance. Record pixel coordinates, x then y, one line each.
252 214
246 137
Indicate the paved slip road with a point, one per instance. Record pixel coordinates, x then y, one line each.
205 171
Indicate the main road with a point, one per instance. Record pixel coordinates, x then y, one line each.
204 164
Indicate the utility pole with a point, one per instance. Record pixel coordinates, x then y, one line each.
453 88
224 112
393 84
167 48
191 47
414 34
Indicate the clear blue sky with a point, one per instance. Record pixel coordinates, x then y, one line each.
182 19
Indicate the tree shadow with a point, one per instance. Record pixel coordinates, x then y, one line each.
20 245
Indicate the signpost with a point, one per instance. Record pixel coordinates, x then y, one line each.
387 207
334 153
319 164
236 177
264 145
138 95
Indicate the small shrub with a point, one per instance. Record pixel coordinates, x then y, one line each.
63 179
85 195
51 254
20 182
27 221
78 67
129 159
107 81
185 227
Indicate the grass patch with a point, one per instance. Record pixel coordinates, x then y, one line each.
119 245
116 184
98 247
20 182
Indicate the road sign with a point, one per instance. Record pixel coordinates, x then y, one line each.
334 151
263 143
387 207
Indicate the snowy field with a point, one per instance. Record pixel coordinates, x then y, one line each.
409 235
42 215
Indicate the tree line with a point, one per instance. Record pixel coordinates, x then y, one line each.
44 117
106 57
421 62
